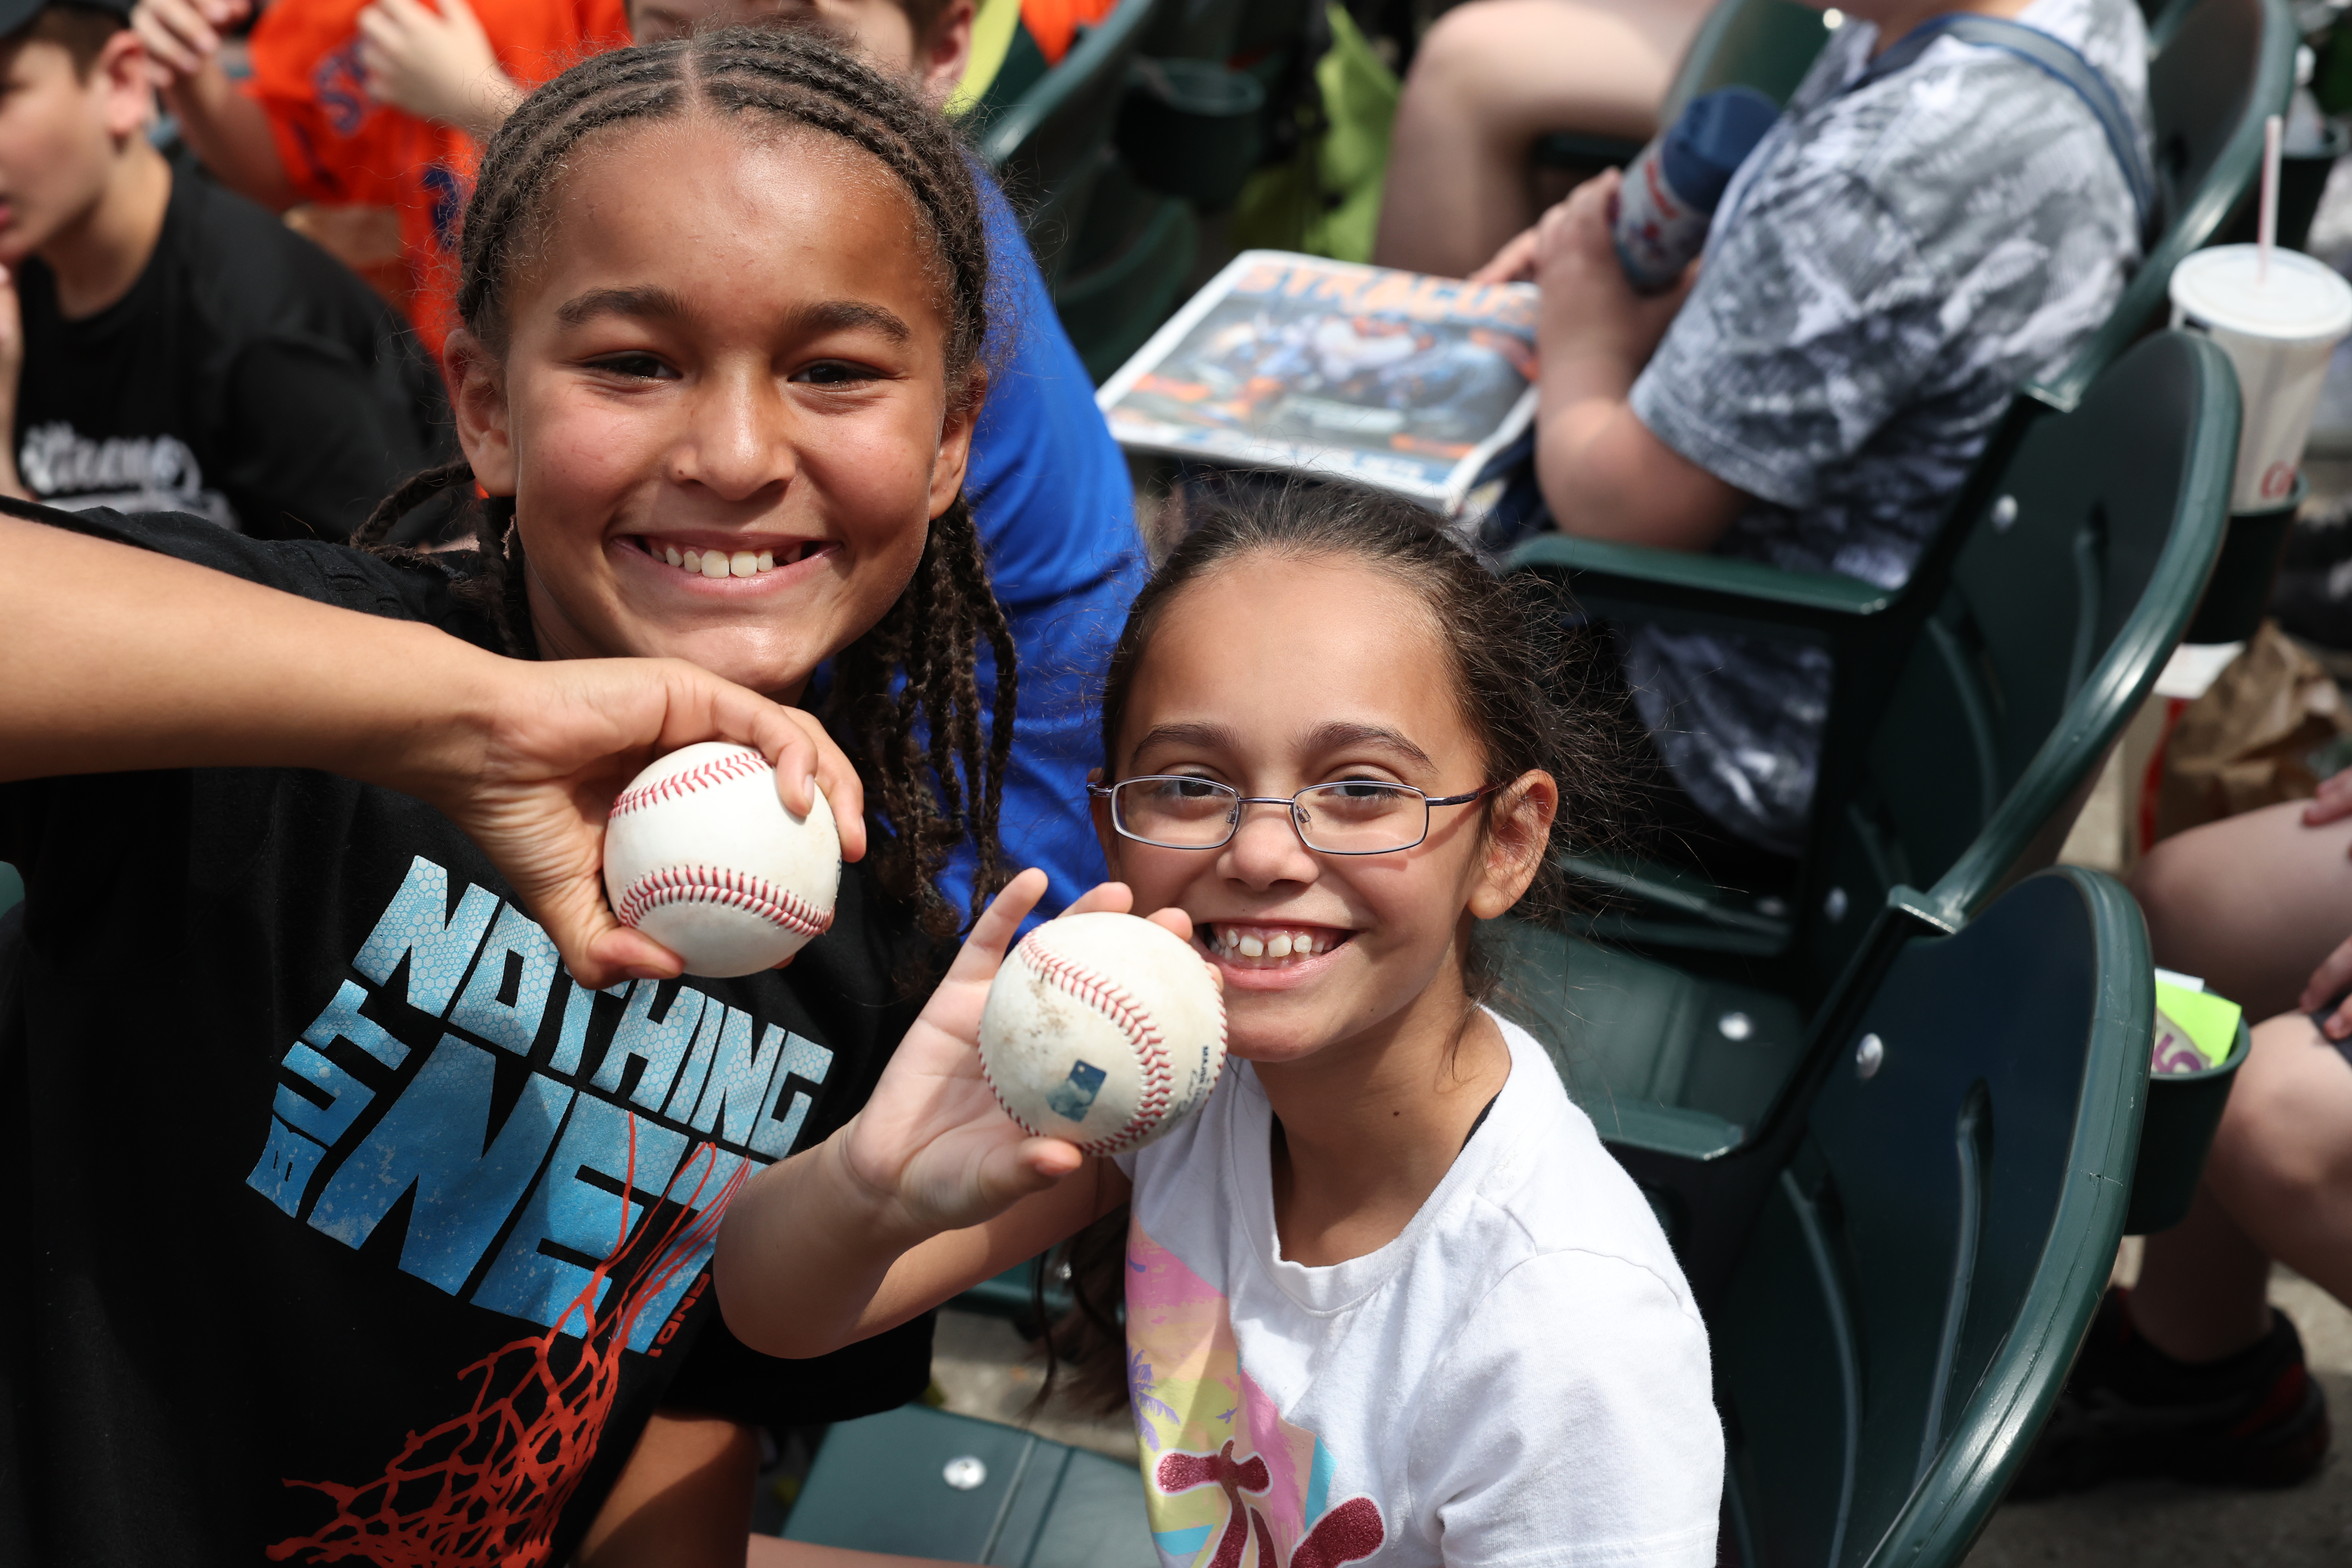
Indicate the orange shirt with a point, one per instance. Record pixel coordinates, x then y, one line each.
338 145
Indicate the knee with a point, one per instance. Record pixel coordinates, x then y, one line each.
1461 48
2284 1144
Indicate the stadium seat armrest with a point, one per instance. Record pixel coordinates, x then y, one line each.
1713 591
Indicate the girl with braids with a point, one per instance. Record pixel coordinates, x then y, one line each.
366 1170
1387 1297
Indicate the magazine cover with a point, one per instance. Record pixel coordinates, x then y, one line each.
1397 379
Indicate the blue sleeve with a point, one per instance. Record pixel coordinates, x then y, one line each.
1056 514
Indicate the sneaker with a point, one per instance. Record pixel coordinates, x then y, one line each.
2255 1420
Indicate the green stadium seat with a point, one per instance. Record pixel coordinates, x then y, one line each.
1899 1271
1677 1018
12 888
923 1483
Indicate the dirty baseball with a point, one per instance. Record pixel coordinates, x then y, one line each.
701 856
1102 1029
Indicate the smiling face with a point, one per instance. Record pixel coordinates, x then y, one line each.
723 407
1274 675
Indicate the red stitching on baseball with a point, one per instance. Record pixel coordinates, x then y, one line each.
718 885
743 762
1106 997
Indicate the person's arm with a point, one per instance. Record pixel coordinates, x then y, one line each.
227 130
152 662
438 65
929 1189
1604 474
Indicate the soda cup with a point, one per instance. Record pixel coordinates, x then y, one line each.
1672 184
2278 333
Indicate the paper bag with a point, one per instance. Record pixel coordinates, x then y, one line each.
2248 742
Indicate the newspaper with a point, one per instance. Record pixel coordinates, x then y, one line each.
1395 379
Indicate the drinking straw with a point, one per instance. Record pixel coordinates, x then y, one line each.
2266 235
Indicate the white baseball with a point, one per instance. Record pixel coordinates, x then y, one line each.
1103 1029
701 855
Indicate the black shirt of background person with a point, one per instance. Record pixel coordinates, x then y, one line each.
315 1155
247 377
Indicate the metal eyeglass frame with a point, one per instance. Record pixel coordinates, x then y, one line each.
1233 818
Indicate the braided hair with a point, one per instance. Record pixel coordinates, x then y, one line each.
904 698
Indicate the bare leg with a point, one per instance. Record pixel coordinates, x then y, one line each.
1488 79
2278 1185
2251 904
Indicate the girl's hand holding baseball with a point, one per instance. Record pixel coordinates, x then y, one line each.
933 1147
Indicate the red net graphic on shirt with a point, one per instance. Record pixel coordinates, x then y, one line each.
484 1489
1349 1532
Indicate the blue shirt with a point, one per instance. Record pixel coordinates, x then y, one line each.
1050 492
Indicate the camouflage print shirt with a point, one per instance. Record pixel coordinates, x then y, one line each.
1889 266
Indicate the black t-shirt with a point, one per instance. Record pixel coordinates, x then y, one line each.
315 1159
248 377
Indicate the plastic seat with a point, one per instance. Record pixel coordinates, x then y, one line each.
1678 1020
919 1482
12 888
1918 1251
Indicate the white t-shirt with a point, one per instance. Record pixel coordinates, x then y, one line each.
1519 1377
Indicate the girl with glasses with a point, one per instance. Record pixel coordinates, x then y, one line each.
1386 1297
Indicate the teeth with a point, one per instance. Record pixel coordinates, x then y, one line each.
692 560
714 564
670 554
1279 947
767 561
743 563
1252 948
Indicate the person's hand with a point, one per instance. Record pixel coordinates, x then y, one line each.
533 774
12 375
2331 980
1515 263
2333 804
1590 311
182 36
932 1146
436 65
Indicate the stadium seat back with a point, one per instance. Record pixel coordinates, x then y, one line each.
2069 591
1767 45
1051 145
1927 1260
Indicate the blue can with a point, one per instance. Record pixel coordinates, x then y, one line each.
1673 185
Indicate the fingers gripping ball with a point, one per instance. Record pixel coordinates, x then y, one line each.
701 855
1102 1029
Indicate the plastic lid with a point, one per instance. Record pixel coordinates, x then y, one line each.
1713 138
2302 299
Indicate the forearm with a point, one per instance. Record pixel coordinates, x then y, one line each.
810 1259
118 659
230 132
1605 475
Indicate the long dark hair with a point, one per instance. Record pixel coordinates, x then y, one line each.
1527 686
904 697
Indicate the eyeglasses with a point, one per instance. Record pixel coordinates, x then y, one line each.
1355 816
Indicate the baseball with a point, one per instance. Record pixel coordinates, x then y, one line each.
1103 1029
701 855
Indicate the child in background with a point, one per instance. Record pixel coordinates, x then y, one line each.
164 343
1387 1292
314 124
312 911
1048 485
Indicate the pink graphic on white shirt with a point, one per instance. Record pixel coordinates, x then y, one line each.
1221 1468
